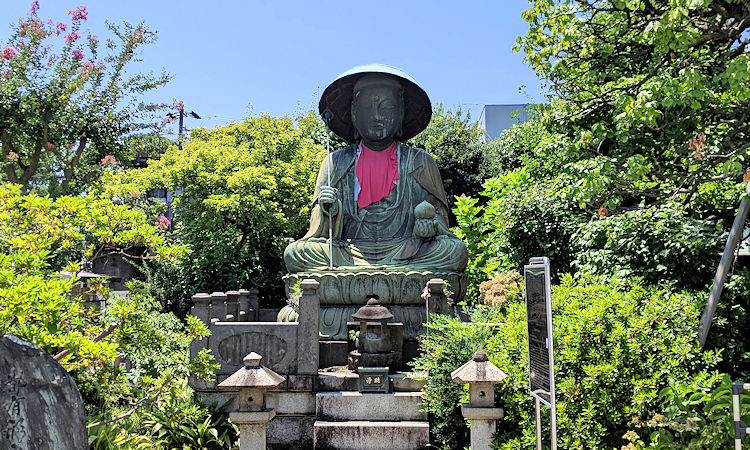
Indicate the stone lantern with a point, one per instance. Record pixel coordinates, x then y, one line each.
482 376
379 343
252 416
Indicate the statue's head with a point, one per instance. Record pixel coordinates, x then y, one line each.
378 110
376 103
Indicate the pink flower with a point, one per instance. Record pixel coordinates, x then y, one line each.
77 54
86 69
78 14
48 145
162 222
179 106
71 37
33 27
34 7
109 160
92 38
60 27
9 53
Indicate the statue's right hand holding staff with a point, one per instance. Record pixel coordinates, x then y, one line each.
327 200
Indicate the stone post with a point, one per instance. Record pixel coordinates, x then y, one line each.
308 332
245 315
482 376
218 306
233 306
252 416
254 303
200 307
202 310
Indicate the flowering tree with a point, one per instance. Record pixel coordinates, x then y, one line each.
64 106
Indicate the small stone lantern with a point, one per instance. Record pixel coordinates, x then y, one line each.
482 376
252 415
379 343
373 339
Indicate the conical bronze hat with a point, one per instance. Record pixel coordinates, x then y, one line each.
337 98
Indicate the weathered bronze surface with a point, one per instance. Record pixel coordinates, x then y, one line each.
407 229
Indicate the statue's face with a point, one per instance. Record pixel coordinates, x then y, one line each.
377 114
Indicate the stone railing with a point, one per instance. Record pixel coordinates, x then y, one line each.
289 348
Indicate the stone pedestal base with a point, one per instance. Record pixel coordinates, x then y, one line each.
252 427
393 287
483 424
343 292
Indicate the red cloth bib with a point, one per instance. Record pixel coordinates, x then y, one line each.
377 173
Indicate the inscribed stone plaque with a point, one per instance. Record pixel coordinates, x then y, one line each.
275 341
537 312
40 405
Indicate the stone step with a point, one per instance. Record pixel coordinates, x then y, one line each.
371 435
347 405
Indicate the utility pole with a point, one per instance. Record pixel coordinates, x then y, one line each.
170 117
179 135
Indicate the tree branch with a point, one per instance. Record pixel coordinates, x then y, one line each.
144 402
110 329
10 171
70 166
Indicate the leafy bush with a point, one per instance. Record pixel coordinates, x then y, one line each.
38 237
658 243
691 417
617 346
176 420
517 221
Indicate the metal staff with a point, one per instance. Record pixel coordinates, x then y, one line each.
327 116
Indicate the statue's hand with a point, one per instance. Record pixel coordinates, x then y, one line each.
425 228
327 200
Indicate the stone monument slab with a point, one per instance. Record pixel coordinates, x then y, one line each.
40 405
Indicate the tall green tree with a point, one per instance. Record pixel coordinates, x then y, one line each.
655 94
240 190
67 101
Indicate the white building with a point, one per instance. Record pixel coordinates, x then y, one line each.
496 118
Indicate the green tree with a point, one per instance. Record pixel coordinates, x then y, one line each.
655 95
242 189
64 104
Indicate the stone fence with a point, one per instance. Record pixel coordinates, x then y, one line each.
289 348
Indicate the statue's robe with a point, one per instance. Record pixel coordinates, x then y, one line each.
382 233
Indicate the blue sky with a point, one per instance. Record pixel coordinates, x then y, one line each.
232 59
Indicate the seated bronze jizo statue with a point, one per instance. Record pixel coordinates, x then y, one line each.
385 199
